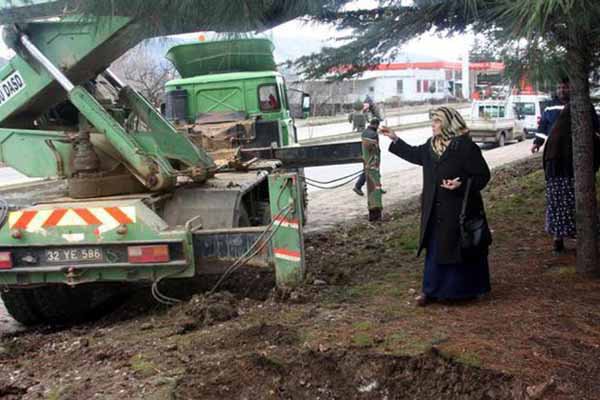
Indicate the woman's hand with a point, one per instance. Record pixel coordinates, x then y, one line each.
385 131
451 184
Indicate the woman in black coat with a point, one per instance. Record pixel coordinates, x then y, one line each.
449 158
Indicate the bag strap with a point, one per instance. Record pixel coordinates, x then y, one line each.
463 210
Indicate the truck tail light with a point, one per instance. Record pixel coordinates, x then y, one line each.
148 254
5 260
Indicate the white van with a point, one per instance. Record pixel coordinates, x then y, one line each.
529 109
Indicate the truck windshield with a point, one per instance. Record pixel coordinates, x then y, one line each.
268 98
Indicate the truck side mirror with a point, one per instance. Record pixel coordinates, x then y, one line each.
305 105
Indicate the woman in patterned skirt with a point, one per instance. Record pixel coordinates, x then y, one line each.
560 181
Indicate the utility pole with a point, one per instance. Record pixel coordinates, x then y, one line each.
466 79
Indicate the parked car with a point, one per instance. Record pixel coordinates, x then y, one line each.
493 121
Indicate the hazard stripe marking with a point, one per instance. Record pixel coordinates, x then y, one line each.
288 255
118 215
24 219
55 217
87 216
38 221
105 218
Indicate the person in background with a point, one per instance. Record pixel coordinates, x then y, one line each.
371 155
367 108
358 118
449 158
555 124
370 107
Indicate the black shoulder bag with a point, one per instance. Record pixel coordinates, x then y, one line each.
474 229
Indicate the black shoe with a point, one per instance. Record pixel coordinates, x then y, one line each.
558 247
422 300
375 215
358 191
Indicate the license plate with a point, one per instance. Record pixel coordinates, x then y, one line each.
77 254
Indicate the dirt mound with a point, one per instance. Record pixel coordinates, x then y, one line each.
276 335
508 173
345 375
205 310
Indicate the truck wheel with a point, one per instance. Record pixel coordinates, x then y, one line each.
59 304
20 305
502 140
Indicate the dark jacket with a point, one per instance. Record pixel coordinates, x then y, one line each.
550 114
440 208
558 149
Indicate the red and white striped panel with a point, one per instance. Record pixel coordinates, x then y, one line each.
288 255
105 218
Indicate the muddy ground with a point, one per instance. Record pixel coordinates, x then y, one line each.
351 332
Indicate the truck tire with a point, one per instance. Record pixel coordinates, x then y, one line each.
502 140
20 305
60 304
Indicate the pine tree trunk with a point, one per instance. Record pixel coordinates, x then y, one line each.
583 160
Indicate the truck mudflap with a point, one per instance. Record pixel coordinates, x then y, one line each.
100 241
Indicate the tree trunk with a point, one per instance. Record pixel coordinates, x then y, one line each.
583 160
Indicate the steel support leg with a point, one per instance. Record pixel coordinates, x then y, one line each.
285 193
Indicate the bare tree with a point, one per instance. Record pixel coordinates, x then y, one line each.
146 71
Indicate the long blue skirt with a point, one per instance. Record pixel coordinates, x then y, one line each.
454 281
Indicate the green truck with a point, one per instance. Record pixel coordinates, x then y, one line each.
129 197
236 83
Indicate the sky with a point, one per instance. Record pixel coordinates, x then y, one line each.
289 42
296 38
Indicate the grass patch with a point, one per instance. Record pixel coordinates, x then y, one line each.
142 366
464 357
341 294
363 325
566 271
54 394
410 344
59 393
362 339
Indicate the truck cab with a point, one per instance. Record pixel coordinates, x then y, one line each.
230 96
236 96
